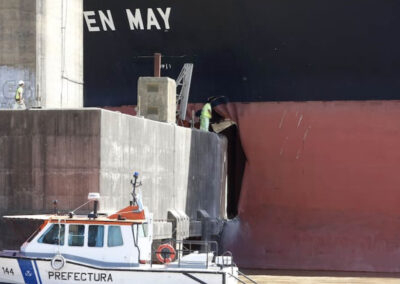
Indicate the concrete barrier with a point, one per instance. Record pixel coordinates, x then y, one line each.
63 155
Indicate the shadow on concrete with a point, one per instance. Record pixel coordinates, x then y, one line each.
205 171
220 160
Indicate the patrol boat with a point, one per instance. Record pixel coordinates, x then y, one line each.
117 248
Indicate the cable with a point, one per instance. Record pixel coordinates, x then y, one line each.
72 81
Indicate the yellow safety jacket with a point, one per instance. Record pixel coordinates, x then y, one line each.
18 94
206 111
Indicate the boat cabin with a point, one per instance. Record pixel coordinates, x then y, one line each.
114 247
102 241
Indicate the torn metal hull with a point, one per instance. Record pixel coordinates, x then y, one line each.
320 189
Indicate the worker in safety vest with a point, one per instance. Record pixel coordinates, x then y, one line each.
19 98
206 114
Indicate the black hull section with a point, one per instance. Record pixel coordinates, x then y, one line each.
248 51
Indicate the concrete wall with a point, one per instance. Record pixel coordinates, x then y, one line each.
65 154
41 43
60 53
17 46
47 155
180 168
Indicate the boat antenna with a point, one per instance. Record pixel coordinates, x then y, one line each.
135 184
55 209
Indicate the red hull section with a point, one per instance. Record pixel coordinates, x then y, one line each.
321 187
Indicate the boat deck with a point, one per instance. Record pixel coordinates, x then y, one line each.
173 266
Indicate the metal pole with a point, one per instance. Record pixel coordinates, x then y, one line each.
157 64
192 122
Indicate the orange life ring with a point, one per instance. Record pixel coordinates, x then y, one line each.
165 253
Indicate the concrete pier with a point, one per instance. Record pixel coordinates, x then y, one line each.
65 154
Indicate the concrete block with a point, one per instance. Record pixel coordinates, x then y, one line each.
162 230
180 224
157 98
172 162
195 228
65 154
210 227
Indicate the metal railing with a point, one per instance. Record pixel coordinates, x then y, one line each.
247 277
231 275
185 247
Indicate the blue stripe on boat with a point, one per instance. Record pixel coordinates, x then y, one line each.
37 271
27 271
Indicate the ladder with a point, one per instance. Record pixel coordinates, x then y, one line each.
182 96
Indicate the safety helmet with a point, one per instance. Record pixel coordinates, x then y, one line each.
210 99
20 83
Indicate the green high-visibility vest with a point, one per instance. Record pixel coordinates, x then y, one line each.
18 94
206 111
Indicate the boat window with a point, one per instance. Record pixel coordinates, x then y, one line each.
33 235
142 230
53 235
114 236
95 236
76 235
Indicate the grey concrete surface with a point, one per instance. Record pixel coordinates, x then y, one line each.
157 98
17 49
59 53
180 168
47 155
41 42
65 154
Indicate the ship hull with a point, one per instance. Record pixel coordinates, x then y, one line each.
247 51
313 87
320 186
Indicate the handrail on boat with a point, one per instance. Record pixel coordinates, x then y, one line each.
185 247
237 278
247 277
180 244
227 253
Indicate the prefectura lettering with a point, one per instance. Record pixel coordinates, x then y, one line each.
80 276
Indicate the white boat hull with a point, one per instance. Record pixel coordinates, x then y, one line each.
40 271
